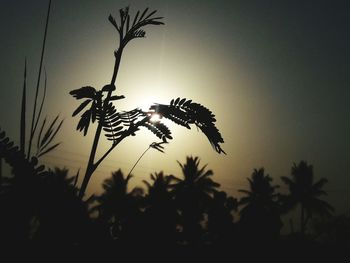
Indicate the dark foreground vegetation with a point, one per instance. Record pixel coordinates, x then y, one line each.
42 207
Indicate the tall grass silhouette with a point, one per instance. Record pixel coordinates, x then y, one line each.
47 131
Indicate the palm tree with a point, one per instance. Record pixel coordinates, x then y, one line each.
160 215
260 213
159 191
117 207
220 224
193 193
304 191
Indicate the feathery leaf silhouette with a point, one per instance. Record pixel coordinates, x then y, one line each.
84 92
159 129
185 112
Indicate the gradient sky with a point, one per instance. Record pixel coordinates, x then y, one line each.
273 72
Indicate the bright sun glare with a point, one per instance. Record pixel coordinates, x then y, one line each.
155 117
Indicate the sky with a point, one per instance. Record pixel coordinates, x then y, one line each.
273 72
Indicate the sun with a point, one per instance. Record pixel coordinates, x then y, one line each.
155 117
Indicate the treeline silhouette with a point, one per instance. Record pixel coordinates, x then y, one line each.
40 206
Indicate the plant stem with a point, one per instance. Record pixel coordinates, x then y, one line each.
91 167
149 147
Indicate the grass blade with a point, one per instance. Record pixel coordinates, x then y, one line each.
23 111
53 135
40 133
48 132
49 149
42 103
32 130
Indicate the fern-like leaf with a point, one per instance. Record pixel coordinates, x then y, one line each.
84 92
22 168
116 123
84 122
129 31
89 115
185 112
159 129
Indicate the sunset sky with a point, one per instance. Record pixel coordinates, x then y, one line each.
275 74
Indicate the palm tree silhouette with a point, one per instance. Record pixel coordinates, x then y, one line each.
260 213
193 193
161 216
304 191
116 205
220 225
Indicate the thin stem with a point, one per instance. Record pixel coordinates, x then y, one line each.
126 134
32 129
118 56
91 167
109 150
149 147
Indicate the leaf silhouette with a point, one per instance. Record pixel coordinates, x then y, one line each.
117 97
159 129
81 107
84 122
128 32
49 149
89 115
84 92
48 132
115 123
185 112
43 143
158 146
